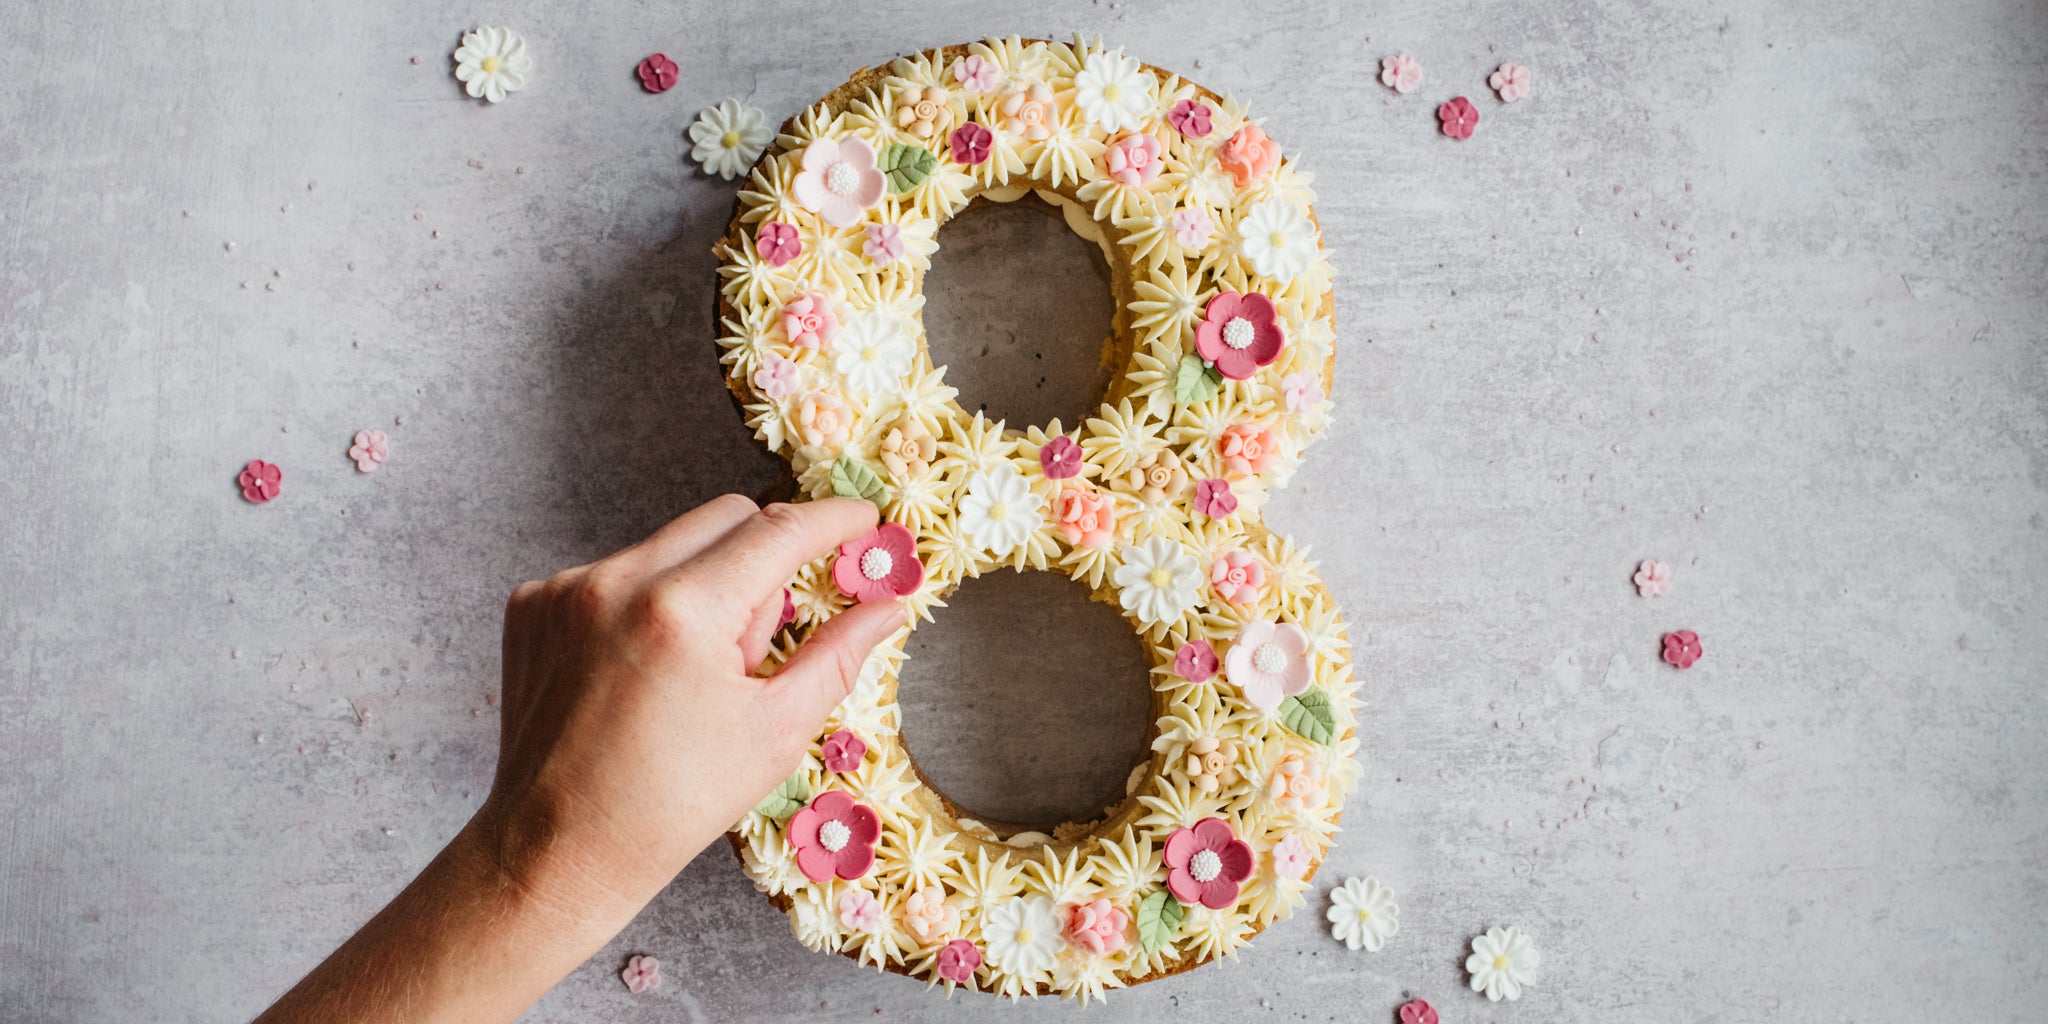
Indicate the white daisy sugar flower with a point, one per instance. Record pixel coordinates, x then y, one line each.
1000 510
729 138
1278 239
1022 936
1113 91
1159 581
874 351
491 63
1502 961
1363 914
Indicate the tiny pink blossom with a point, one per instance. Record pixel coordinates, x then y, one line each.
884 244
842 751
775 377
1511 81
808 320
788 609
971 143
778 243
260 481
1401 73
1192 228
1418 1011
1191 119
1682 648
1237 577
1290 858
1460 118
859 911
1653 579
1303 391
1213 498
1196 661
641 973
1060 457
974 74
370 450
958 960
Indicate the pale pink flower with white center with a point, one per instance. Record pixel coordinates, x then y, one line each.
884 244
370 449
1303 391
1268 661
775 377
859 911
974 74
1192 228
1511 81
641 973
839 180
1653 579
1401 73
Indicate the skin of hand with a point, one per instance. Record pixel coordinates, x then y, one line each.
633 732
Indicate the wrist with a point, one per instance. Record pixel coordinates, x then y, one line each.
548 874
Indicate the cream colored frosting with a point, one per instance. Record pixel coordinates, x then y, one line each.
1118 858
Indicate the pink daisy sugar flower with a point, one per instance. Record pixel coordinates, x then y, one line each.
778 243
1132 160
370 449
842 751
808 320
1191 119
1060 457
1401 73
1207 864
1459 118
1247 449
884 244
641 973
1237 577
971 143
1511 81
1653 578
879 565
974 74
1214 499
839 180
1268 661
1291 858
1195 661
1682 648
260 481
958 960
1303 391
1239 333
859 911
1097 927
775 377
834 837
1192 228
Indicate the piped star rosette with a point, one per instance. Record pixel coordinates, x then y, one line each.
1223 347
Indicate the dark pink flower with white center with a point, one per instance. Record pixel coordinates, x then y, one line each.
1682 648
1213 498
958 960
1196 661
658 73
370 449
834 837
1237 577
971 143
1133 159
1060 457
260 481
879 565
1239 333
842 751
1459 116
1191 119
1416 1011
1207 864
778 243
641 974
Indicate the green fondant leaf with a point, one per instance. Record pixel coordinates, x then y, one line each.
907 165
1158 919
852 478
788 798
1309 716
1193 382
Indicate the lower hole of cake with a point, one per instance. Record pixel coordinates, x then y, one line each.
1024 703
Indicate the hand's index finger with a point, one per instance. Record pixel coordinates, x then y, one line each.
757 557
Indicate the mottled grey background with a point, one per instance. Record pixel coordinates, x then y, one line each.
1756 288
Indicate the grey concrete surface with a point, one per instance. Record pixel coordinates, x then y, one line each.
1756 288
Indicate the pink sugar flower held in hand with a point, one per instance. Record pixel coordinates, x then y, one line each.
1511 82
880 565
1239 333
658 73
641 973
1191 119
971 143
842 751
1653 579
839 180
370 449
260 481
1268 661
1207 864
775 377
1237 577
1416 1011
1682 648
1060 457
1213 498
1195 661
1459 116
808 320
1401 73
834 837
1096 926
778 243
1133 160
958 960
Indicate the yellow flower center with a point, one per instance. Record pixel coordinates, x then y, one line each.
1112 92
1364 914
867 355
997 511
1279 240
490 65
1024 936
1160 578
1500 963
730 140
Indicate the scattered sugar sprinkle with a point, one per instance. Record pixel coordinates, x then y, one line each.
415 60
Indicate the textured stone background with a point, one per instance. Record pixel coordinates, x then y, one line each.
1757 288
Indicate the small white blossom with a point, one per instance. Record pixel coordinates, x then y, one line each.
874 352
729 138
1278 239
1000 510
1113 91
1363 913
1502 961
1159 581
1022 936
492 62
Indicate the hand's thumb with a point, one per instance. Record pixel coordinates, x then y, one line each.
824 669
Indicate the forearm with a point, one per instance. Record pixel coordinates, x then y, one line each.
466 941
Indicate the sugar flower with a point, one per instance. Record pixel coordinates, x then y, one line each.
808 320
958 961
823 418
877 566
834 836
1097 926
1503 960
1401 73
929 917
1022 935
641 973
924 112
658 73
370 449
1214 499
1000 510
1268 661
839 180
1086 518
1028 112
778 243
1133 159
1511 81
1237 577
1418 1011
859 911
1459 117
884 244
971 143
1158 580
1247 449
1211 763
1249 155
1195 661
1207 864
1060 458
1191 119
1291 858
491 63
1363 914
1113 92
1682 648
1278 238
1302 391
908 450
728 138
1653 579
1192 228
874 351
1158 478
775 377
842 751
1239 333
974 74
260 481
1296 783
